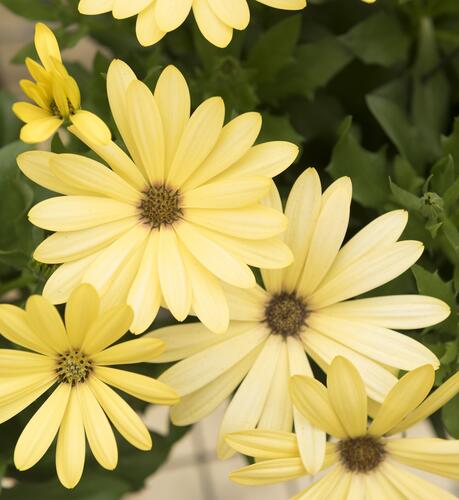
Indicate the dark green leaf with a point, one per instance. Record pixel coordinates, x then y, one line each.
450 413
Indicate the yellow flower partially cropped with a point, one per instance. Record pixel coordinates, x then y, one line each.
170 224
216 19
304 310
73 359
366 461
56 96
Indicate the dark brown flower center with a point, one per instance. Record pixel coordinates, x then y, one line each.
361 454
286 314
160 206
73 367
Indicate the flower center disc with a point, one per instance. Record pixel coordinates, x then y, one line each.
73 367
361 454
160 206
286 314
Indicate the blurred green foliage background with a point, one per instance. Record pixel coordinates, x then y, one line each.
368 91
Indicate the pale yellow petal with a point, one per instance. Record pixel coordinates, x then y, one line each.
235 14
46 46
146 28
122 9
265 444
213 29
14 362
285 4
92 125
269 472
28 112
132 351
94 7
246 304
40 130
170 14
322 488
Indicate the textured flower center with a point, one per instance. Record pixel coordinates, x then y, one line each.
160 206
286 314
56 111
73 367
361 454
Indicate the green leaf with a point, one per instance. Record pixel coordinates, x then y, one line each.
9 124
379 39
450 414
442 175
37 10
367 170
278 128
404 198
274 49
450 145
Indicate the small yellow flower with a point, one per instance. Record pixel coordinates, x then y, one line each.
170 224
304 311
366 461
56 95
76 358
216 19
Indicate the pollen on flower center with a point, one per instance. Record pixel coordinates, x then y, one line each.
73 367
160 206
361 454
286 314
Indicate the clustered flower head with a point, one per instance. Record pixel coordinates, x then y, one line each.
56 96
176 219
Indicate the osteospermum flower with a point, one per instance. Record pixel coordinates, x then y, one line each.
216 19
305 309
168 225
367 462
74 360
56 95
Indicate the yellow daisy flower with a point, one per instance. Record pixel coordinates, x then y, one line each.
305 309
168 225
216 19
367 462
76 358
56 96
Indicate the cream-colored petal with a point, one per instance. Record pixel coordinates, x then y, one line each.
253 222
235 140
372 270
146 28
285 4
201 403
246 407
94 7
35 166
102 271
322 488
47 324
213 257
71 444
380 344
383 231
406 395
327 236
173 99
183 341
144 295
91 176
246 304
72 213
348 396
377 485
67 246
196 371
311 398
407 312
40 130
109 326
140 386
123 417
173 276
97 428
302 211
378 380
264 444
431 404
311 440
16 328
278 411
122 9
209 303
269 472
198 139
92 125
235 14
132 351
42 428
115 157
213 29
146 126
170 14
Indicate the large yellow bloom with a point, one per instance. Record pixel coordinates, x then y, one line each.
305 307
168 225
216 19
75 357
56 95
366 461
